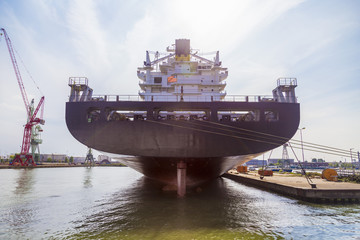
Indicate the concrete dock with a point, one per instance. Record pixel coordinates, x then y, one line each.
299 188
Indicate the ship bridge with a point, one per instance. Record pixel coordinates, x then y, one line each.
182 75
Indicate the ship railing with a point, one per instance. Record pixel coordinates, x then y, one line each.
142 83
180 81
287 82
199 81
172 98
77 81
347 172
248 98
117 98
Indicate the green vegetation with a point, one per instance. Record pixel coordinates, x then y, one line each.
313 174
351 178
334 164
296 174
340 164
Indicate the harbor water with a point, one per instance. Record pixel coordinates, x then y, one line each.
119 203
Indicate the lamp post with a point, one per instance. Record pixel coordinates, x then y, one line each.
302 146
352 164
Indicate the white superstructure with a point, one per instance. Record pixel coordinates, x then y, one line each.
182 76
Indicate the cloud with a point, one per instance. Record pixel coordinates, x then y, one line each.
87 36
207 24
259 41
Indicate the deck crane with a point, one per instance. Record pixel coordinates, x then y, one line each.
31 128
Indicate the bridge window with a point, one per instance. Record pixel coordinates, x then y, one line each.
155 89
157 79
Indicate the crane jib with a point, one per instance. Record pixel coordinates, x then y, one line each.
25 158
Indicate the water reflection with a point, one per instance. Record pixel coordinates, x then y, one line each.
117 203
24 181
88 177
20 214
223 209
146 209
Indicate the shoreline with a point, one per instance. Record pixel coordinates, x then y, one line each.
59 165
297 187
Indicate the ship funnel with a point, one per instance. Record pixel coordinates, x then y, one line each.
217 60
182 50
147 63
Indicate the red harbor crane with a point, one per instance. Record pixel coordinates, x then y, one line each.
31 128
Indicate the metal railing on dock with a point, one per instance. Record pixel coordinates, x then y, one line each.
347 172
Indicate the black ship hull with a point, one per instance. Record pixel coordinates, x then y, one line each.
209 146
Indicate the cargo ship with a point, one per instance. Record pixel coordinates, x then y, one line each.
182 128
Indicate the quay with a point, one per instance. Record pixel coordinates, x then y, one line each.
298 187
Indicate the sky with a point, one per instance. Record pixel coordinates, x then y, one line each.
318 42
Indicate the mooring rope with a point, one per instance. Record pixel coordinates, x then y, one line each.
260 136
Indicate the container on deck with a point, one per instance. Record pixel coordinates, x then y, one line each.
241 169
265 172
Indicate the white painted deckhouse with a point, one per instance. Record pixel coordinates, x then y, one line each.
182 75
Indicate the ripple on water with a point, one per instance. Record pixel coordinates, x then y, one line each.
118 203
